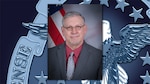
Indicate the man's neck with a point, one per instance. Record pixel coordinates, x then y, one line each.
73 47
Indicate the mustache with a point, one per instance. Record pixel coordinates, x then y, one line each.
74 35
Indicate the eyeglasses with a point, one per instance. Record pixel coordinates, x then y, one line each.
70 28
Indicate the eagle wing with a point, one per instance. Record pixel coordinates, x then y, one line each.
133 38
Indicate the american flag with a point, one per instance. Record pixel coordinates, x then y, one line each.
93 20
55 16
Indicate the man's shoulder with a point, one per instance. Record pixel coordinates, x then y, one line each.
94 52
56 47
92 49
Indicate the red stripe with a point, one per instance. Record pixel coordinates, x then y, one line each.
62 11
54 33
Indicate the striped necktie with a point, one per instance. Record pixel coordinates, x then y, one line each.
70 66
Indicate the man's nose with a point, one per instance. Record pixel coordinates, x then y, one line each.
74 30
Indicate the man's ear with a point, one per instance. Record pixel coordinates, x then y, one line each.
86 28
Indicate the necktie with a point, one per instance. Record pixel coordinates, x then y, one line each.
70 66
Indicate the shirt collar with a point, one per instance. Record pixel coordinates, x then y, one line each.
76 51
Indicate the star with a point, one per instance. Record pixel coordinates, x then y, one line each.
121 4
86 2
42 79
105 2
136 14
61 82
146 78
148 13
146 59
147 2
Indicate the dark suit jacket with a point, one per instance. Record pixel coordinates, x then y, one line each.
89 64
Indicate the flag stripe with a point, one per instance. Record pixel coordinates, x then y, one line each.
57 19
54 33
50 42
62 11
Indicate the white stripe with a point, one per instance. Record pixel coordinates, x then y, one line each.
57 18
50 42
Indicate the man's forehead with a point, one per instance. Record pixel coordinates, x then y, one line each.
73 16
75 19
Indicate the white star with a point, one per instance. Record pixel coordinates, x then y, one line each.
42 79
148 13
136 14
146 59
61 82
86 2
146 78
147 2
121 4
105 2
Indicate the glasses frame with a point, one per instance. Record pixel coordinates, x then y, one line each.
70 28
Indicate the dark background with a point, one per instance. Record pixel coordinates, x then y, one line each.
13 13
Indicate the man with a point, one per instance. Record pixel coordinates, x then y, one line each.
74 59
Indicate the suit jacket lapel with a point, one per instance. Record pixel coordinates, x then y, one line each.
61 53
82 61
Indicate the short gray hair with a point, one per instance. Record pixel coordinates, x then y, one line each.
72 13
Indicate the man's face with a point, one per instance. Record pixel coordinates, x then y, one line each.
74 30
